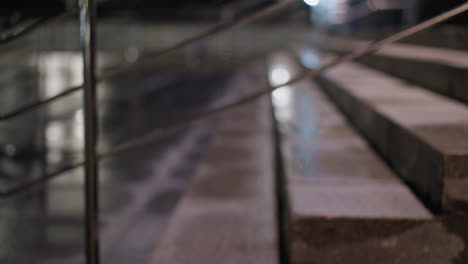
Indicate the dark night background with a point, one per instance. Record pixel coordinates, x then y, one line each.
13 11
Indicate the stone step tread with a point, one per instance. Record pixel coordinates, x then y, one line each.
332 173
439 121
228 213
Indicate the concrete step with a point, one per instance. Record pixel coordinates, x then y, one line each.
422 135
441 70
228 214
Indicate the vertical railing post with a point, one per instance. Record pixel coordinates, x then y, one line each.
88 47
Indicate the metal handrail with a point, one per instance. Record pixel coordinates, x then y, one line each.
21 30
158 134
34 105
91 182
151 57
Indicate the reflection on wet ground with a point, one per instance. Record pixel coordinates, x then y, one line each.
139 188
296 110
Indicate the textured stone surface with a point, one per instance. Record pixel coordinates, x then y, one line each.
228 214
422 135
332 172
344 240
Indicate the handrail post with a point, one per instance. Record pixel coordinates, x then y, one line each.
88 47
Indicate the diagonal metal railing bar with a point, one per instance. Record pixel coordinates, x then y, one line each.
158 134
40 180
34 105
151 57
21 30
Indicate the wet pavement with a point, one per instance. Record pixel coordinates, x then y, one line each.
138 188
228 215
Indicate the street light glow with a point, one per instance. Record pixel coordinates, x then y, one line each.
312 2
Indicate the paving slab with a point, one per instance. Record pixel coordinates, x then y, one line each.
369 241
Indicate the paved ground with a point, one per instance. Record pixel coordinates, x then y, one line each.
228 214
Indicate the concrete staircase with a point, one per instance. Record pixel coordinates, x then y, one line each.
374 170
353 177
